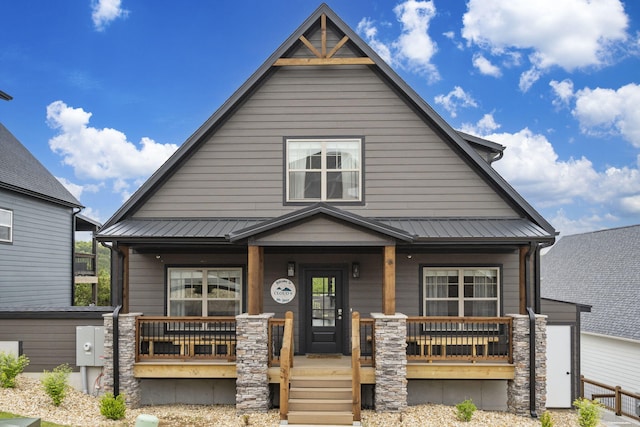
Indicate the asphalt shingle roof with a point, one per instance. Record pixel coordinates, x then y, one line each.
21 171
601 269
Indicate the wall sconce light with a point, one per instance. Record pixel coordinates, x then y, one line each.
355 270
291 269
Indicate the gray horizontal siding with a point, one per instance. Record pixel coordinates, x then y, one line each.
36 267
409 170
559 312
46 342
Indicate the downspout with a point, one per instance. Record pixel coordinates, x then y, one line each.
532 363
116 325
538 290
116 350
73 256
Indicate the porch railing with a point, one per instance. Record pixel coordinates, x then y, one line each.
468 339
276 334
356 341
185 338
367 342
286 363
85 264
614 398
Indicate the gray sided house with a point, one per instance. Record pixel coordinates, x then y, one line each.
602 269
326 227
38 218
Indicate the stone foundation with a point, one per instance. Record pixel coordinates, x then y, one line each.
128 385
252 363
391 362
518 391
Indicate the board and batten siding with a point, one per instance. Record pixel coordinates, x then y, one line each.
408 169
611 360
36 269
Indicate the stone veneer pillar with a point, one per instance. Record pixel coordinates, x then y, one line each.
391 362
252 363
518 391
129 385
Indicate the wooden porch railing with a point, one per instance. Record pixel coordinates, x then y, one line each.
469 339
276 334
367 342
185 338
286 363
614 398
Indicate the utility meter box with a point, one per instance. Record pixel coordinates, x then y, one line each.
89 345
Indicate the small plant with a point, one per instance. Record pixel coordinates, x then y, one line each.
113 407
10 367
56 383
465 410
546 420
588 412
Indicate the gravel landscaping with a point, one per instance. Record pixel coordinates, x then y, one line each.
81 410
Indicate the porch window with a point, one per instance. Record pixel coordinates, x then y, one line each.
324 170
6 225
205 291
461 291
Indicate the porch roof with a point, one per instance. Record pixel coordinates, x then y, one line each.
422 229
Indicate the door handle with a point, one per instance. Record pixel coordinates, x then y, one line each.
339 314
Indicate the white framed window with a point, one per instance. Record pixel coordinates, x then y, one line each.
6 225
204 291
461 292
324 170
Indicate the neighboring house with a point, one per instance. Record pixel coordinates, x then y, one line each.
38 220
601 269
323 187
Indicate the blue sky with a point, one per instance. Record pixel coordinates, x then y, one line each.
104 91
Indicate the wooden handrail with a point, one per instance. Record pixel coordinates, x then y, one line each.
632 400
286 363
355 365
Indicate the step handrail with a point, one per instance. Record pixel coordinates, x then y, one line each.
355 364
286 363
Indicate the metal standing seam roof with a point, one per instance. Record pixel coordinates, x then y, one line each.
424 229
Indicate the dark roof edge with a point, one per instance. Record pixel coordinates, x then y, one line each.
318 209
490 145
40 196
584 308
390 74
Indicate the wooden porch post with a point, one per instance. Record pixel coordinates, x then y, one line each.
389 281
255 276
523 288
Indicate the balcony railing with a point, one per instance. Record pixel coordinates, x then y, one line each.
186 338
468 339
84 264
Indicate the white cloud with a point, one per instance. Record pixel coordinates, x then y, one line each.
610 111
484 126
528 78
414 45
370 32
563 92
585 223
75 189
485 66
103 12
102 154
532 166
571 34
455 99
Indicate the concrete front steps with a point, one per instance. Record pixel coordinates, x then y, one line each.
316 398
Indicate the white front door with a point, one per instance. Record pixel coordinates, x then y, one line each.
558 366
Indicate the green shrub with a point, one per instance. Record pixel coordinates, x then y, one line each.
465 410
588 412
56 383
10 367
546 420
112 407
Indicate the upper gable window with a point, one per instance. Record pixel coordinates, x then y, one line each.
6 225
326 170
